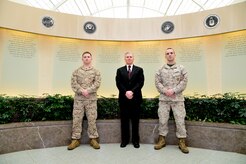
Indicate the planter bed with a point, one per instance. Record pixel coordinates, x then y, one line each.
34 135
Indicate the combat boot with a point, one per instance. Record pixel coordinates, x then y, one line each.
94 143
161 143
73 144
182 145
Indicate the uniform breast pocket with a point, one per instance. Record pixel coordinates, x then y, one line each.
91 78
164 76
177 76
80 80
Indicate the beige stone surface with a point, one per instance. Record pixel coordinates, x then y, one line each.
33 135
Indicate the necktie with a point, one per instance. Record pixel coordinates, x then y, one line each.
129 71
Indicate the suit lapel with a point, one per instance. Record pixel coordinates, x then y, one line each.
133 71
125 72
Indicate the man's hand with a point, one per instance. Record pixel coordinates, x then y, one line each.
129 94
170 93
85 92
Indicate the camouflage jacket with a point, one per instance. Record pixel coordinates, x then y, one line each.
174 77
86 78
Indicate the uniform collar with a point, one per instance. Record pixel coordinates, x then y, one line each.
86 68
172 67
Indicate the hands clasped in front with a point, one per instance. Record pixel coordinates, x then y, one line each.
85 92
129 94
170 93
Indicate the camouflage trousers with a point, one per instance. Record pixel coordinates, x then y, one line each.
179 114
81 107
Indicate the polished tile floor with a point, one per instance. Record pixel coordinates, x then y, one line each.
113 154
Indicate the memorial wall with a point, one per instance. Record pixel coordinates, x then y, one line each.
35 60
33 64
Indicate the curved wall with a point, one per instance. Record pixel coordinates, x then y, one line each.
36 60
25 18
36 135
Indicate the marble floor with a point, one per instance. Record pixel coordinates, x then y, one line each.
113 154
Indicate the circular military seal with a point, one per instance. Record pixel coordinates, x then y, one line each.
167 27
89 27
211 21
47 21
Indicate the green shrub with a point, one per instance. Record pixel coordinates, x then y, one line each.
107 108
227 108
149 108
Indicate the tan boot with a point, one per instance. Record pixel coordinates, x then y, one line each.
161 143
73 144
94 143
182 145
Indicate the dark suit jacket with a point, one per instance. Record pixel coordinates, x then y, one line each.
134 84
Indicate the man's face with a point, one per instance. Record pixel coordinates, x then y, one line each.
129 58
86 58
170 55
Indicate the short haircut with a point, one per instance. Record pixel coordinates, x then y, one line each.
126 53
86 52
169 48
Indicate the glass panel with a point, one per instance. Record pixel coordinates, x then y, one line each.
137 9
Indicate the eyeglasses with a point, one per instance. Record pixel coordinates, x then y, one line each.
169 53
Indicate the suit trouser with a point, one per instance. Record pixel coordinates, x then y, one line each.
129 112
89 107
179 114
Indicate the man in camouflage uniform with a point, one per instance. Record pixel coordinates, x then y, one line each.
170 81
85 83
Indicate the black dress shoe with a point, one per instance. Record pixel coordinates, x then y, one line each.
136 145
123 144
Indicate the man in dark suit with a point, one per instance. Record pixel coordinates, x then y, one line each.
129 81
